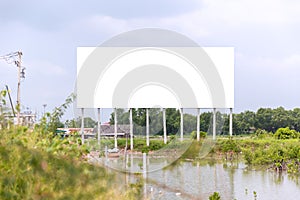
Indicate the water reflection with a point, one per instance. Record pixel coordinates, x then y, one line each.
198 180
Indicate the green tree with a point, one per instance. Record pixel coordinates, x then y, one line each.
155 119
281 118
189 123
243 122
58 112
205 121
122 117
88 122
295 119
263 119
72 123
173 120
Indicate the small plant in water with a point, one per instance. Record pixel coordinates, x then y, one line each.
215 196
140 164
255 195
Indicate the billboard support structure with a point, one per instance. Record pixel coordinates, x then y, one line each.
82 125
165 125
116 128
131 129
99 127
147 127
214 123
198 124
230 122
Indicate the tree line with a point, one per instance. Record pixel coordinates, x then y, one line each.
243 123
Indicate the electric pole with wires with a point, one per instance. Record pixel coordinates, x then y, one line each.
16 58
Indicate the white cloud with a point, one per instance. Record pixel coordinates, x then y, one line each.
46 68
252 11
275 65
293 60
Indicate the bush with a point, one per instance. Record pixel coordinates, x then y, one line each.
215 196
36 165
202 134
230 145
262 134
286 133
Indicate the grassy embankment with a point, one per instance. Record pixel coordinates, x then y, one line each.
36 165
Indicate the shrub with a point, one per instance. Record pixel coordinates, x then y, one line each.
261 134
286 133
230 145
215 196
36 165
202 134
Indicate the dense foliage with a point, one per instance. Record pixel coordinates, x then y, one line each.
35 165
38 164
277 154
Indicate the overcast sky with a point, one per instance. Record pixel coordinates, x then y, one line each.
265 34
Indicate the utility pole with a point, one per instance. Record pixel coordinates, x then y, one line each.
18 63
44 105
16 58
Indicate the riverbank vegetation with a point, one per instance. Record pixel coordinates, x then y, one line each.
36 165
279 151
279 155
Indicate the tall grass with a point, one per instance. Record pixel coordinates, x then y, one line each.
35 165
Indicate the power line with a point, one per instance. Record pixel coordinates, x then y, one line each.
16 58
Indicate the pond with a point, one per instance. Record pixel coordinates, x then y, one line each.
188 180
198 180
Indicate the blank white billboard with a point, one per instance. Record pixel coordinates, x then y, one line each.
147 77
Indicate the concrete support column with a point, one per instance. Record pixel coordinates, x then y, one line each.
165 125
181 124
99 126
147 127
116 128
131 128
214 124
82 125
230 122
198 124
